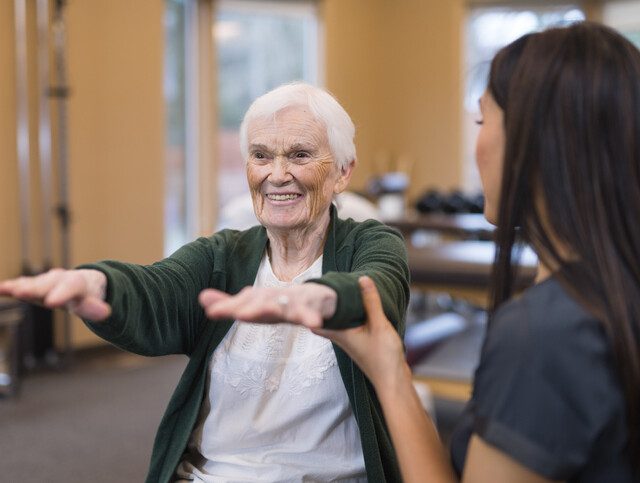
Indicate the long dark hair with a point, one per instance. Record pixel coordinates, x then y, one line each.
571 178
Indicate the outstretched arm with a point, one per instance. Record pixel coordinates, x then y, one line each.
149 310
80 291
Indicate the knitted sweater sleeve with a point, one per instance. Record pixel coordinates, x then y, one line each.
379 252
155 309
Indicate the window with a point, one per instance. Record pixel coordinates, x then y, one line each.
175 206
487 30
259 45
624 16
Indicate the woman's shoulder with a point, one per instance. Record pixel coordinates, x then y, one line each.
543 333
229 238
224 245
349 230
548 316
547 335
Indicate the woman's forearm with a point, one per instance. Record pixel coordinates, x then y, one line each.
421 455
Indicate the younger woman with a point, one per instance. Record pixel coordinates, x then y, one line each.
556 393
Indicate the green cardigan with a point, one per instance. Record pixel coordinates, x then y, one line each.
156 312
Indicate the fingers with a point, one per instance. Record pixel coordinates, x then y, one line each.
32 289
59 288
218 304
210 296
69 286
261 305
18 287
91 308
306 316
7 286
249 307
245 311
371 300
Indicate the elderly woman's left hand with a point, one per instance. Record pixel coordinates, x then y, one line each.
307 304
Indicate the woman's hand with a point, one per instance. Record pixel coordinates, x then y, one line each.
80 291
307 304
375 346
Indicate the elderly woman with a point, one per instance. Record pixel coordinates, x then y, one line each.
259 402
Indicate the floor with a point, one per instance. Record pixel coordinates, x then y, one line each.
93 422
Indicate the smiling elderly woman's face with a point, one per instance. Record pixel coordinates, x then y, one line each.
291 171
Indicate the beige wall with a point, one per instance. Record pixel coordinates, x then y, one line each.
395 65
116 125
116 135
116 121
9 223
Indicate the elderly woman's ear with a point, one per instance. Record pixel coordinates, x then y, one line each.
345 177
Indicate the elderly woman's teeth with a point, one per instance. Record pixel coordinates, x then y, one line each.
282 197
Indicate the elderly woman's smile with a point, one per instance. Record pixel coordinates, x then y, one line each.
283 196
291 171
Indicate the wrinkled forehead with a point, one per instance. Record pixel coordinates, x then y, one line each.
294 124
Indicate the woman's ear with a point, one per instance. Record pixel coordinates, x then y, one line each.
345 177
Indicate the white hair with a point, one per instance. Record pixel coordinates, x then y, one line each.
324 107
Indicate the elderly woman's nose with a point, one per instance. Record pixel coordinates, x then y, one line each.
280 171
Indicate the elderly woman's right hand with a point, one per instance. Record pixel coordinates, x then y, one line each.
80 291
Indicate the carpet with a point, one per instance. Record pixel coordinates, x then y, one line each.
92 422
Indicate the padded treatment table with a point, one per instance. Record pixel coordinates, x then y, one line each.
463 268
462 225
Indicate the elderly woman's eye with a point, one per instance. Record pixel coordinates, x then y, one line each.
302 154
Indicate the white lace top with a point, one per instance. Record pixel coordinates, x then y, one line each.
277 409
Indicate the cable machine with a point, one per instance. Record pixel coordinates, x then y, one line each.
37 335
